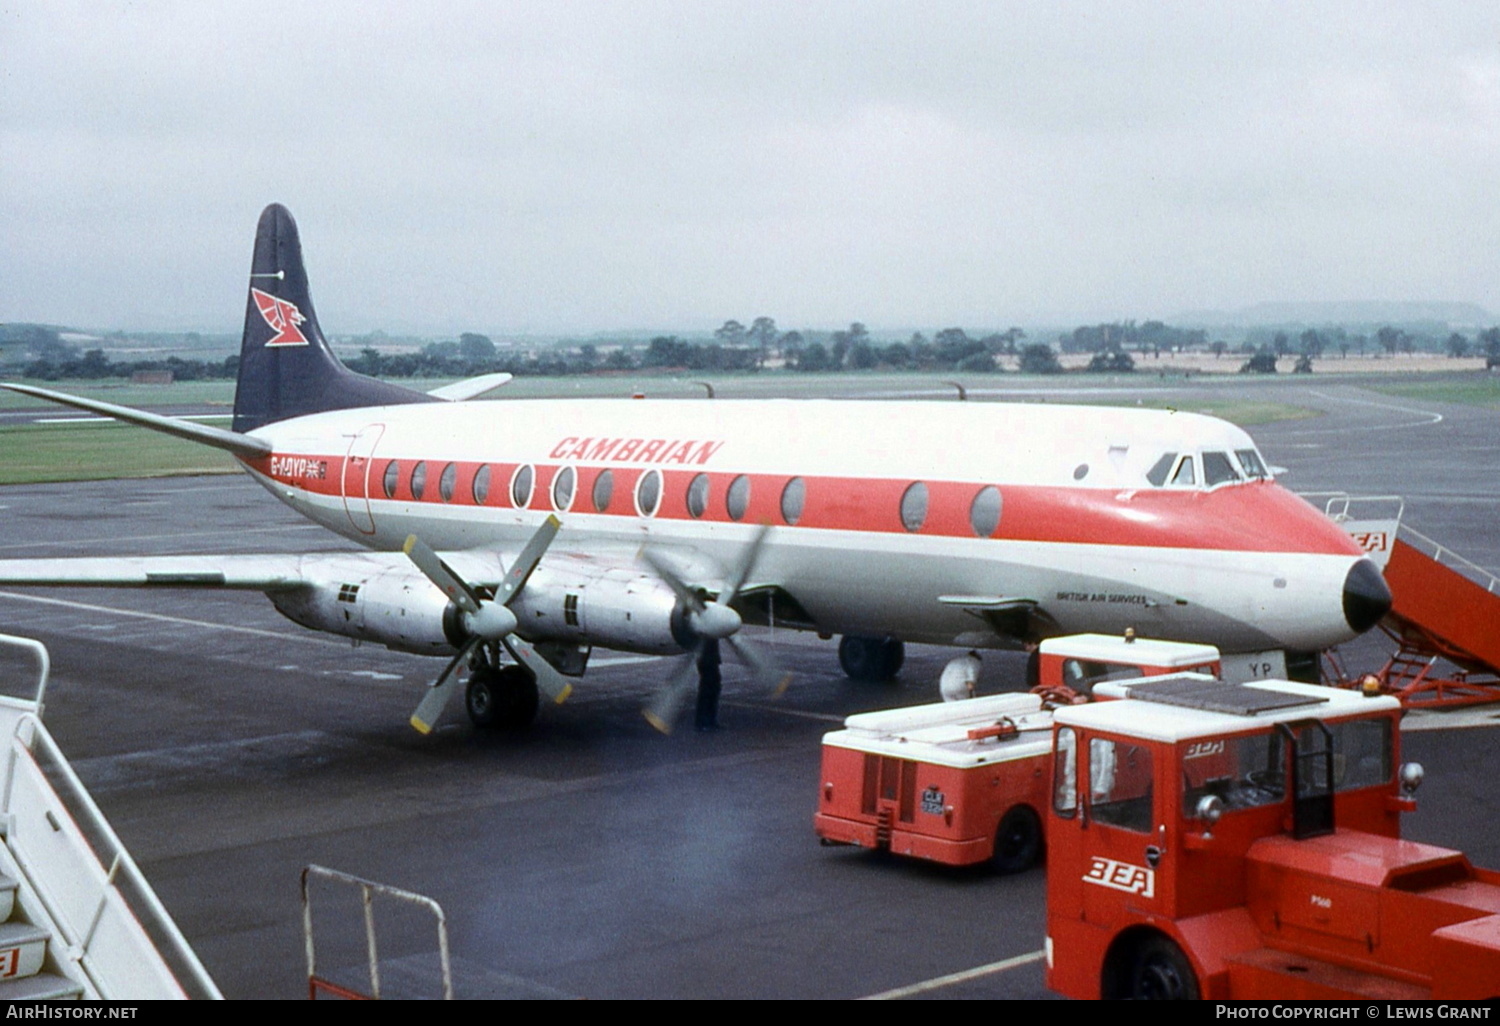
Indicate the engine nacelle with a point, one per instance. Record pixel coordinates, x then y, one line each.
579 603
618 607
398 608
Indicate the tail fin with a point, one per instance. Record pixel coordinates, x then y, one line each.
286 368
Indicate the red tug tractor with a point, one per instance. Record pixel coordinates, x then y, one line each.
966 782
1243 842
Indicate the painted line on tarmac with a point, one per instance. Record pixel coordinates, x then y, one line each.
163 618
961 977
798 713
1429 418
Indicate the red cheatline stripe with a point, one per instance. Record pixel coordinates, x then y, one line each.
1255 517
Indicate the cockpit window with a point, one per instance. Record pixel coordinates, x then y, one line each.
1251 462
1185 476
1217 469
1157 475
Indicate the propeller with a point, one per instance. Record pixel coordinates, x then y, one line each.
485 620
709 622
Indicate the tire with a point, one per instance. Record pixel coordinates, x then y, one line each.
1018 841
1161 972
870 660
504 699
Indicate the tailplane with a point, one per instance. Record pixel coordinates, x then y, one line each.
286 367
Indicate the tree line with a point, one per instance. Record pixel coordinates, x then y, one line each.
40 353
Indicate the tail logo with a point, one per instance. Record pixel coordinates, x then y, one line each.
283 318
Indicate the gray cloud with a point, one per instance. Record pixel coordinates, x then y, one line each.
556 166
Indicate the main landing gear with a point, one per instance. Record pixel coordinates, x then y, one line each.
501 697
871 660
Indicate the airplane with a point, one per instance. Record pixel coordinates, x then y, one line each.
540 529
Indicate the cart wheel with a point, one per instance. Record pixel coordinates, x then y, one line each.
1018 841
1162 973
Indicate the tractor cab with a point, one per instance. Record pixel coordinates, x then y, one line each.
1165 810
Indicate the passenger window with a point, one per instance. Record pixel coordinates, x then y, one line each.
914 506
392 478
520 486
984 511
481 486
562 489
1185 476
1217 469
1251 463
792 498
648 493
418 479
1082 674
1065 774
604 490
697 496
1120 784
447 481
1242 772
737 499
1157 475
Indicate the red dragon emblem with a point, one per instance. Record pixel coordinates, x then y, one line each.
283 317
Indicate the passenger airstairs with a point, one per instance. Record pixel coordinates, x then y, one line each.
77 918
1445 613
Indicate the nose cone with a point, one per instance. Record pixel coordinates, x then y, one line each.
1366 596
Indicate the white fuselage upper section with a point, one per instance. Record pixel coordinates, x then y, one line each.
901 518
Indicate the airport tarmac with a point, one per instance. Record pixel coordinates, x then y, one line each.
591 857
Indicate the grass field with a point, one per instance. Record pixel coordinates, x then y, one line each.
1469 391
185 393
100 451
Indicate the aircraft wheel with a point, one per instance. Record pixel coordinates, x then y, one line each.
871 660
503 699
1018 841
1161 972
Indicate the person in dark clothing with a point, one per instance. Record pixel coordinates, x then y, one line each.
707 716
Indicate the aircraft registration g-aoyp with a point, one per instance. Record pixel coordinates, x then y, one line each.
662 526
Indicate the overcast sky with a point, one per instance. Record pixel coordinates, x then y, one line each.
577 166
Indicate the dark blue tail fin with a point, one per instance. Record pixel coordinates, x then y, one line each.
286 367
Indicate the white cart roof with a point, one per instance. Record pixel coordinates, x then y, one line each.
1113 648
1179 707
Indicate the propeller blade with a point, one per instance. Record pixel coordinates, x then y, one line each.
441 574
664 708
553 684
436 700
531 555
741 572
766 670
670 574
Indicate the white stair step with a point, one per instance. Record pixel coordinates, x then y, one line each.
40 987
7 896
23 949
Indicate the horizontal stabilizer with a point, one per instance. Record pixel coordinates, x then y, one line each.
470 388
230 441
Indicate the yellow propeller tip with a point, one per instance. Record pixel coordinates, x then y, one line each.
657 722
562 696
421 728
411 543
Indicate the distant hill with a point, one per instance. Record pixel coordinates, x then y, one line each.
1350 314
